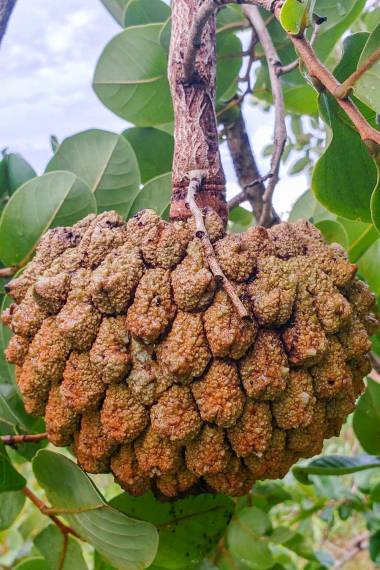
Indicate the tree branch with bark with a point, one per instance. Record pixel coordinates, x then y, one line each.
6 9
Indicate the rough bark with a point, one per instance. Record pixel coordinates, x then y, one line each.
6 8
196 134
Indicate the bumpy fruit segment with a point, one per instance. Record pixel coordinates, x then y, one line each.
136 357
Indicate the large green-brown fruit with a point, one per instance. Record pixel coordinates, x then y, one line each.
136 357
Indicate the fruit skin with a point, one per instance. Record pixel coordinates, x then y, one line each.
136 357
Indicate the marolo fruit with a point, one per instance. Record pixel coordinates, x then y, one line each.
137 358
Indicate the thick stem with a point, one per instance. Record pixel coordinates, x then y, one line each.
6 8
196 134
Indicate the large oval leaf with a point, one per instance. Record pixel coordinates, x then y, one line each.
54 199
116 9
19 171
344 186
153 149
367 418
106 162
145 12
188 528
335 465
155 195
130 77
126 543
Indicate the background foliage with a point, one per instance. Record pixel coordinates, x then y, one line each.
327 511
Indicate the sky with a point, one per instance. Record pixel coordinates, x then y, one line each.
47 60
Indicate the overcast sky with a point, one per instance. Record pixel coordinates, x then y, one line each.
47 60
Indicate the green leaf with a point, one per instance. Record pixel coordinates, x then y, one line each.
366 420
145 12
155 195
154 150
368 85
281 535
6 414
228 64
340 16
300 165
116 9
344 186
369 267
360 236
304 207
375 205
375 494
50 543
300 98
374 547
333 232
246 541
11 504
188 528
334 465
106 162
19 171
33 563
229 14
54 142
240 220
10 479
125 543
100 564
6 369
130 77
295 15
165 35
54 199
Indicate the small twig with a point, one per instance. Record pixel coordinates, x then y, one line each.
196 177
232 26
42 507
283 69
345 88
237 200
64 551
357 545
26 438
7 271
254 16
